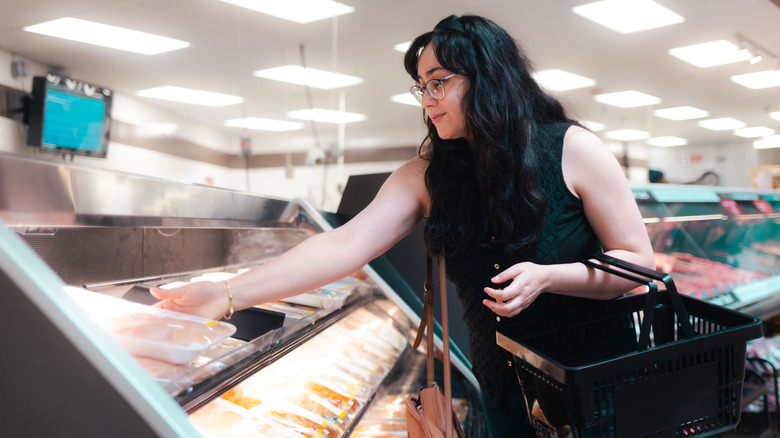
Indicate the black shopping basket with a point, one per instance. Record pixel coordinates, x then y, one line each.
655 364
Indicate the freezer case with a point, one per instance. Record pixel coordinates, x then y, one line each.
86 354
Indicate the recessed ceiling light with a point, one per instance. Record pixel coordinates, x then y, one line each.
627 16
105 35
722 124
681 113
406 99
560 80
754 131
186 95
593 126
667 141
627 134
775 115
627 99
326 116
299 11
295 74
402 47
758 80
773 141
263 124
711 54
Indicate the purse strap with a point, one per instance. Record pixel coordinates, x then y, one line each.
427 326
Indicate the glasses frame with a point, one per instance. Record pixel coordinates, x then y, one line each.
419 92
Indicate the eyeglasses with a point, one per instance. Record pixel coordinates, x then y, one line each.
435 88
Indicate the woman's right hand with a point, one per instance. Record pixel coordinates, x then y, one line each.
203 298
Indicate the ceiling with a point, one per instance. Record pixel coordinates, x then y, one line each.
229 43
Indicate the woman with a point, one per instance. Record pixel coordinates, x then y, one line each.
513 192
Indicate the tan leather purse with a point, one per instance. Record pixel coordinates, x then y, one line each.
427 413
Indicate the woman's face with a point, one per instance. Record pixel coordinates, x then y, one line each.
446 113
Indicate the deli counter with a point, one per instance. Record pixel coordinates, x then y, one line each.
86 355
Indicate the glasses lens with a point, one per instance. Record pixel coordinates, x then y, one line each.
436 88
417 92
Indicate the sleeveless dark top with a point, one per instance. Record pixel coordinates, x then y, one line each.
566 235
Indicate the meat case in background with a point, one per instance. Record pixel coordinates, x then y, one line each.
80 248
722 245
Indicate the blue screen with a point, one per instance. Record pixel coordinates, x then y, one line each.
73 121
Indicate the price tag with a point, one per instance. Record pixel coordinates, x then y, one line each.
763 206
731 207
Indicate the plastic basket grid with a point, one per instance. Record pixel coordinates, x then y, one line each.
590 372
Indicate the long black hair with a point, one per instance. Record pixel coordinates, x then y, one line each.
484 188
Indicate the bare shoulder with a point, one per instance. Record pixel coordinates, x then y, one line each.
587 160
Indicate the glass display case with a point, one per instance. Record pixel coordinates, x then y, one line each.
331 362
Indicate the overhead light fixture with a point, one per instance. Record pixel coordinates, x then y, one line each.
406 99
754 51
299 11
754 131
775 115
402 47
627 135
627 99
667 141
627 16
186 95
711 54
561 80
296 74
593 126
758 80
261 124
681 113
773 141
105 35
721 124
326 116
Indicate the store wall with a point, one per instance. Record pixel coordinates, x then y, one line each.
733 163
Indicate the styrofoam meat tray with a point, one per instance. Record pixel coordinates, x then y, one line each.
152 332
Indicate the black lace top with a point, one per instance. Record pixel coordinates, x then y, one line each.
566 235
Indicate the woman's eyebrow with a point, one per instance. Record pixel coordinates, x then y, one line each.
431 71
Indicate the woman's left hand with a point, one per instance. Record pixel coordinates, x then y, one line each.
528 280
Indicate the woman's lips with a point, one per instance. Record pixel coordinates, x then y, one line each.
436 117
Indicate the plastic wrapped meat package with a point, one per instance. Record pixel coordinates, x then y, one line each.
327 297
387 417
150 332
221 418
321 386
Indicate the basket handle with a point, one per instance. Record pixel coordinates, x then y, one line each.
640 274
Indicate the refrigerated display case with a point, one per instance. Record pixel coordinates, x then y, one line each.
722 245
332 362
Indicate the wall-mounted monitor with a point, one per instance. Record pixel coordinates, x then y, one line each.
69 117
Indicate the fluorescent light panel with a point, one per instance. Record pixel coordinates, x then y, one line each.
406 99
627 99
186 95
627 134
326 116
627 16
754 131
261 124
758 80
561 80
402 47
710 54
105 35
295 74
593 126
773 141
681 113
667 141
722 124
299 11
